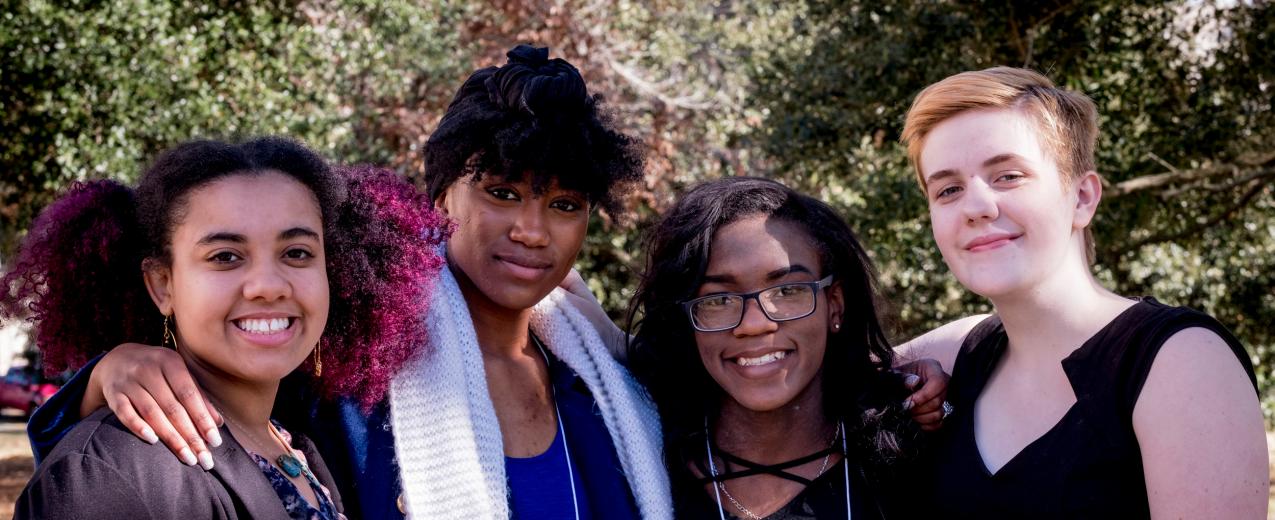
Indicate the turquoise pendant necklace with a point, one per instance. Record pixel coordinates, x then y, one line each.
290 465
288 461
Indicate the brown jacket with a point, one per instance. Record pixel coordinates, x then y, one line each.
101 470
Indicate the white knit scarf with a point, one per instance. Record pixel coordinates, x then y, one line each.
446 436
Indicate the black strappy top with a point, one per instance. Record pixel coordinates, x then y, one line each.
1089 464
825 497
875 492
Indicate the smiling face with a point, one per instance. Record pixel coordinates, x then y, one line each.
511 244
1001 214
248 287
763 365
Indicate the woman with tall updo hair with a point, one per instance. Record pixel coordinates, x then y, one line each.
249 263
518 408
757 333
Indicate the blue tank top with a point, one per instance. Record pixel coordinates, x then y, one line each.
538 486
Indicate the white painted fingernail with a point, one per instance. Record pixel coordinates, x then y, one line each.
149 436
205 460
187 457
911 380
213 437
907 404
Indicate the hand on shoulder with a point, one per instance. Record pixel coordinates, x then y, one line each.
578 295
153 394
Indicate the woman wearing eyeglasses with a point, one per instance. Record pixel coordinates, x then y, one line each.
760 343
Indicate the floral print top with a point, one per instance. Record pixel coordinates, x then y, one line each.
296 505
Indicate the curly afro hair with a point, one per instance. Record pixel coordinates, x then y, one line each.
78 274
533 117
383 258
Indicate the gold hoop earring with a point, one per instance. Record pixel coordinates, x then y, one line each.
318 362
169 338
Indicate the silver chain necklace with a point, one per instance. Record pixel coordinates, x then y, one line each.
720 487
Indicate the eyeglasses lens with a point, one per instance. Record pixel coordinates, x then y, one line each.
725 311
718 312
787 301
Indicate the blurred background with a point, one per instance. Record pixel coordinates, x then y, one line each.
806 91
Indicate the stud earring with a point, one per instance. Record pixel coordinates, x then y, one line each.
169 339
836 326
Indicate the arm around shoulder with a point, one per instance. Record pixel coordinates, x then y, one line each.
60 413
1200 429
941 344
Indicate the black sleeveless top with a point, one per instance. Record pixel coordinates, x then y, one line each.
1089 464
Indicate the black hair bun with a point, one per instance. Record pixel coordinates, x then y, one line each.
532 83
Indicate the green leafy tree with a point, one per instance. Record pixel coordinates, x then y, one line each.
1187 150
92 89
814 93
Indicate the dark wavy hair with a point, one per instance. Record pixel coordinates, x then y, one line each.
858 386
78 274
533 116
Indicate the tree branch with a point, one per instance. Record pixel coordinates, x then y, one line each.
692 102
1174 176
1198 226
1164 163
1258 174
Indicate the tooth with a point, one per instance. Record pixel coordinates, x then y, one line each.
761 360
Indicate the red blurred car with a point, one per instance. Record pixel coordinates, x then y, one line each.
25 389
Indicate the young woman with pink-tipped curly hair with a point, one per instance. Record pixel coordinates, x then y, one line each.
252 261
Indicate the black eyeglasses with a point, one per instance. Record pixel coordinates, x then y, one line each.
785 302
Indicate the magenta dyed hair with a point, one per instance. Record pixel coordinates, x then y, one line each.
78 275
85 244
382 265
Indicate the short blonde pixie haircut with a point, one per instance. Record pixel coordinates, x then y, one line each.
1066 121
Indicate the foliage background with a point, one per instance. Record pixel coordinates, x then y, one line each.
811 92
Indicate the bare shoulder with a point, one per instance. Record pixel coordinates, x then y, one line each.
1196 372
1198 420
1194 360
941 344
